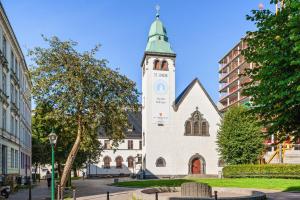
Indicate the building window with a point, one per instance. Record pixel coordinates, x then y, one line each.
119 161
106 161
12 93
4 83
106 144
130 160
12 158
221 163
139 159
22 160
12 61
140 144
156 65
204 128
12 126
16 159
4 46
16 128
130 144
188 128
160 162
164 66
196 125
4 119
196 128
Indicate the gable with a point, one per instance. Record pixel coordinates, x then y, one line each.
185 93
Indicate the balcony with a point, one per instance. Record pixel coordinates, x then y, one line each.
223 86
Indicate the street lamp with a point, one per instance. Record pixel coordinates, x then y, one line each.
52 138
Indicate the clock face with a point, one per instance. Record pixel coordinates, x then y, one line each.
160 87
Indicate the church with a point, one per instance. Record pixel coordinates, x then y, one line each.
171 136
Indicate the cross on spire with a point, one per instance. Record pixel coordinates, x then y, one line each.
157 8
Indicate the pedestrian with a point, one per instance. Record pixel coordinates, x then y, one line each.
48 177
83 174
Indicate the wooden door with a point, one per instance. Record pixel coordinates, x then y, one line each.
196 166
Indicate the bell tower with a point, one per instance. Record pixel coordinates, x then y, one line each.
158 86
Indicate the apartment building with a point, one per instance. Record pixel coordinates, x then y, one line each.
15 105
231 66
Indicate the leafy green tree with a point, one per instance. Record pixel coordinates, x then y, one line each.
40 144
43 122
84 93
239 139
275 87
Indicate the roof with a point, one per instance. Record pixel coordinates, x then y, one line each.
158 38
135 120
186 91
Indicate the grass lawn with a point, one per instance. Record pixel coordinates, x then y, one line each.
259 183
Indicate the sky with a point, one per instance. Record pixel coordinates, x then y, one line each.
200 32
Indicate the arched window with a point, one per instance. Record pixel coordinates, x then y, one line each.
130 160
107 161
221 163
196 125
119 161
164 66
204 128
196 128
156 65
160 162
188 128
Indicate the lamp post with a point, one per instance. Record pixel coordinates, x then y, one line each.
52 138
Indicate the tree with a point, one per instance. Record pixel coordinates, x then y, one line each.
239 139
43 122
275 87
40 144
83 92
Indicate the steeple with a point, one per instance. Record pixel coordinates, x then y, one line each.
157 38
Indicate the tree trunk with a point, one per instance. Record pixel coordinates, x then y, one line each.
71 157
59 169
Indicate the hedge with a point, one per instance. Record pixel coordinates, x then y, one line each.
262 171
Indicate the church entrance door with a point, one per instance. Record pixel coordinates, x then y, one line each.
196 166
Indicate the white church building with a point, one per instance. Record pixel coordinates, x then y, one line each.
172 136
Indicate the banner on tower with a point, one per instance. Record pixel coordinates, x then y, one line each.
161 98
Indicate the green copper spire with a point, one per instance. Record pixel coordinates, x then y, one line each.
157 38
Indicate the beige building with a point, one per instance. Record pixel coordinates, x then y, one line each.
15 105
231 66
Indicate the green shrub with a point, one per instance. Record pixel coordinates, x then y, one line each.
262 171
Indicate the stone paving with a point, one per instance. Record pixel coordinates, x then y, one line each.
39 192
96 189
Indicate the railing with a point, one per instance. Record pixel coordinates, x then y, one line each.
274 147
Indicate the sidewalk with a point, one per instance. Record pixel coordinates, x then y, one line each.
38 192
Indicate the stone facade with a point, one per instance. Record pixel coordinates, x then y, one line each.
15 105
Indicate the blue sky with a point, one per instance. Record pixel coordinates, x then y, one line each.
200 32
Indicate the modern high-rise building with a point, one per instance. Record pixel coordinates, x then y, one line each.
15 106
232 65
231 81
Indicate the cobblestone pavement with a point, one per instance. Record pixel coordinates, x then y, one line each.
96 189
39 192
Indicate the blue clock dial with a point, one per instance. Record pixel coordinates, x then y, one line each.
160 87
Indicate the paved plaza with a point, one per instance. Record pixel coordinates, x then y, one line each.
96 189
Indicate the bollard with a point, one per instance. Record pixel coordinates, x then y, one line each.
107 196
58 192
216 195
74 194
156 195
